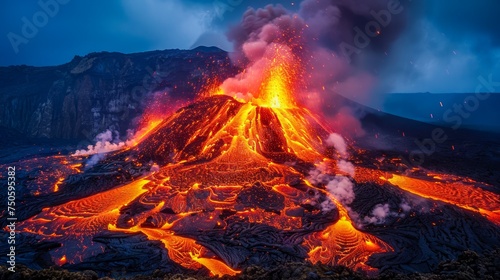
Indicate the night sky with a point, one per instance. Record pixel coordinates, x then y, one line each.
443 48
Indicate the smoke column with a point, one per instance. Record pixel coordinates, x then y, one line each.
315 38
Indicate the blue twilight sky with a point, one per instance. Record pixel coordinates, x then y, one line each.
445 46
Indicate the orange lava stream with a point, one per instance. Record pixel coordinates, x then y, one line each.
83 218
343 244
182 250
248 139
216 267
56 185
145 131
240 159
457 193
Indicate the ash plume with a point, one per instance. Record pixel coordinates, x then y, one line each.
315 37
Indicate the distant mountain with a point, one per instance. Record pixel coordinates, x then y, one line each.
100 91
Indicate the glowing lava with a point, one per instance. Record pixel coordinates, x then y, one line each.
223 162
453 191
343 244
78 221
278 85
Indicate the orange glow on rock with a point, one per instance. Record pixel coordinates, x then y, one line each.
61 260
145 131
343 244
226 156
216 267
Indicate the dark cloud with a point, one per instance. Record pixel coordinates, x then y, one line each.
462 19
81 27
445 48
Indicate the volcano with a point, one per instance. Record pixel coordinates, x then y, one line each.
246 176
221 185
222 164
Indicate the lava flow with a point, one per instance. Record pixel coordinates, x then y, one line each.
453 190
226 169
222 162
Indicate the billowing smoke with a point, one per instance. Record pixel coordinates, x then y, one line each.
320 43
264 37
342 187
338 143
339 186
319 174
346 167
106 141
94 159
381 212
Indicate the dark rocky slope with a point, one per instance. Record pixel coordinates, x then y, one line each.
100 91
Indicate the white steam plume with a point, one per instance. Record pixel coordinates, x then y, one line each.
108 141
105 143
381 212
339 186
337 141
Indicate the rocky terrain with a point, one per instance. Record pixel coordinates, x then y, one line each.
218 180
100 91
469 265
